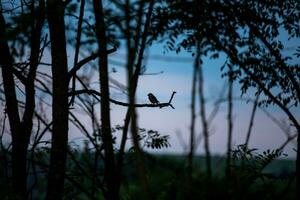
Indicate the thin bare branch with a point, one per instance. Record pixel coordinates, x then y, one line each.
94 92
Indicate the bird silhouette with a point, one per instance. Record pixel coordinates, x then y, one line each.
153 99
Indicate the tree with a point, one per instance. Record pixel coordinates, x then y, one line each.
21 128
60 108
110 166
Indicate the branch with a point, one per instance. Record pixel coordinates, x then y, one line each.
93 56
278 58
78 37
252 119
171 99
19 75
287 141
261 85
94 92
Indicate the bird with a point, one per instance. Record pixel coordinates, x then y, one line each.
153 99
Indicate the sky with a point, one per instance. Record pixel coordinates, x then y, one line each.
173 72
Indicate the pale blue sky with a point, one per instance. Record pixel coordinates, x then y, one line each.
177 76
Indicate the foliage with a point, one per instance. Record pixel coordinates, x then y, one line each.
168 180
249 32
250 179
251 162
148 138
152 139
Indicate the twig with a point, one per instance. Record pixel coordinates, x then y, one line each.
78 37
252 119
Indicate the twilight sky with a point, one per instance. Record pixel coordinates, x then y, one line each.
176 76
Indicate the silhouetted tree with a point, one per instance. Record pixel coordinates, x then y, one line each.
21 128
229 121
60 110
109 159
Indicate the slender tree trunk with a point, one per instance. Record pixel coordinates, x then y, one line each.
18 161
139 154
134 78
251 120
19 147
109 165
77 47
193 117
55 11
38 19
204 122
298 164
229 121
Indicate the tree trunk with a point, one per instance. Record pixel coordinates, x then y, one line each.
109 160
298 164
19 185
230 123
134 81
204 123
193 117
21 131
55 189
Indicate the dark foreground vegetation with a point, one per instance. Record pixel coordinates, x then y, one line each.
254 176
